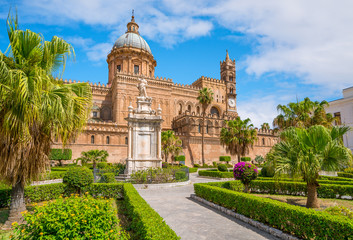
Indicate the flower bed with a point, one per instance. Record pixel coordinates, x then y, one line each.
146 222
301 222
72 218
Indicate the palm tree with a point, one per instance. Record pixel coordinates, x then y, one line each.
205 98
238 137
35 108
171 144
93 156
307 151
303 114
265 126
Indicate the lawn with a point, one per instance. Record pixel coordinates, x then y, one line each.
301 201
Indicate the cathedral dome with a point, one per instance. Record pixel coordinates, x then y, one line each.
132 39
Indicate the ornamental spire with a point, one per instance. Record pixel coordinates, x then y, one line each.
132 26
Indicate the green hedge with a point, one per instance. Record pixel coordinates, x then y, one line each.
179 158
335 178
299 221
300 188
320 181
345 175
60 154
245 159
51 191
217 174
192 170
225 158
145 222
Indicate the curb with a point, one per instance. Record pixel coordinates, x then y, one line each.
273 231
161 185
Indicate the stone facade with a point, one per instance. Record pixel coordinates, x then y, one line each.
131 59
343 110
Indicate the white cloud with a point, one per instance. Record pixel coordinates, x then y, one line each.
309 39
99 52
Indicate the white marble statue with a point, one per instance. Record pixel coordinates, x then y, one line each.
142 88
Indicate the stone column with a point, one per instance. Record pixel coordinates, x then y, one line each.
129 146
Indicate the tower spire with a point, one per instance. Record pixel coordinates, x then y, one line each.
227 56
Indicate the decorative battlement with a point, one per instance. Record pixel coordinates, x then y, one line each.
105 127
208 79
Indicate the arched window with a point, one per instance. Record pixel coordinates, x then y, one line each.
189 108
180 108
263 141
217 98
207 128
92 139
199 128
126 140
198 110
214 110
108 140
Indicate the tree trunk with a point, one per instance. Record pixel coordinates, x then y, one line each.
17 206
312 200
246 188
203 138
239 158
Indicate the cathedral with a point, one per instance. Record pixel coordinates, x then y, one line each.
131 59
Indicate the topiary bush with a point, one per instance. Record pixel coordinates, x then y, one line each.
77 179
222 168
108 178
180 176
102 165
225 158
267 170
197 165
245 172
72 218
245 159
179 158
214 164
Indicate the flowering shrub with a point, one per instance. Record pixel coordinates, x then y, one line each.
72 218
245 172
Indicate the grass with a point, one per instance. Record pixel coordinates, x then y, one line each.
4 213
301 201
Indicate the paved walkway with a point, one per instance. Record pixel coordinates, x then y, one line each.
194 221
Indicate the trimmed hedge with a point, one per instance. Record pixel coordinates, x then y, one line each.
300 189
60 154
179 158
225 158
145 222
335 178
217 174
299 221
345 175
192 170
51 191
245 159
323 181
222 168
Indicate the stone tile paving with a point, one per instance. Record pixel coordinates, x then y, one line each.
192 220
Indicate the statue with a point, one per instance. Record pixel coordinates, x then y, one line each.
142 88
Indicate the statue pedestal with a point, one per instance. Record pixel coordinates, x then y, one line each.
144 139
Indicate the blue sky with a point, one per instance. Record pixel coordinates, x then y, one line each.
284 50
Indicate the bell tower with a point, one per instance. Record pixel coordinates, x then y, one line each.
228 75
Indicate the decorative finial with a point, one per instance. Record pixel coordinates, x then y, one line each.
132 12
227 56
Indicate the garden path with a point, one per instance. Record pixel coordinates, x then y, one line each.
192 220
